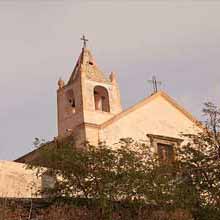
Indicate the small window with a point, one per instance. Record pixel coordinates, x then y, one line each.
70 101
165 152
164 146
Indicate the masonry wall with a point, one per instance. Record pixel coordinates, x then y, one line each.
90 114
82 209
158 117
69 118
92 134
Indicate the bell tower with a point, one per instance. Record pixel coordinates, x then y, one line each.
87 100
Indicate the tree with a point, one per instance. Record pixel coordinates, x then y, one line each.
129 173
199 167
132 173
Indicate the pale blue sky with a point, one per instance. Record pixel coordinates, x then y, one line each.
39 42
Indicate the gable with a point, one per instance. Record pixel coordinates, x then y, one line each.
158 114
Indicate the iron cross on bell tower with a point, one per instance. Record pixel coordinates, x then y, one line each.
83 38
155 84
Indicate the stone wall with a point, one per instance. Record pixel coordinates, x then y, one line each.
80 210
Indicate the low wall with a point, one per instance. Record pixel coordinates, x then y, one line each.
82 209
18 182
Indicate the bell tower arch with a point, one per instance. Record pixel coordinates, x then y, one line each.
87 100
101 99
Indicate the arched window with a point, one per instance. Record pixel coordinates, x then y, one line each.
101 99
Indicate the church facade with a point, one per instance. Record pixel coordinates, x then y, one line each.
89 109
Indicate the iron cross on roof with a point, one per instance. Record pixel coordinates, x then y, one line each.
83 38
155 84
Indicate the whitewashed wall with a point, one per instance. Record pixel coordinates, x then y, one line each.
16 181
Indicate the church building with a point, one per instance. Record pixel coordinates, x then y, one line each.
89 109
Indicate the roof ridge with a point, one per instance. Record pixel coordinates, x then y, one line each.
128 110
148 99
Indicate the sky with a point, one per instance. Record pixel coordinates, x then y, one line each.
177 41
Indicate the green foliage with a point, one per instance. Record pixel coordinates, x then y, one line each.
132 172
199 167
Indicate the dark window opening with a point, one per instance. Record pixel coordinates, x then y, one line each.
73 104
165 152
71 100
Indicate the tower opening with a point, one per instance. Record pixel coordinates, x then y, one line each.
101 99
71 100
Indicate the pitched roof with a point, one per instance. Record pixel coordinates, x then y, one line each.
91 69
146 101
33 155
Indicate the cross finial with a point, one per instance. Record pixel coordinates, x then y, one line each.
155 84
83 38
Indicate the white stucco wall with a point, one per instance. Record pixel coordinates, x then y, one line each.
17 181
158 117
